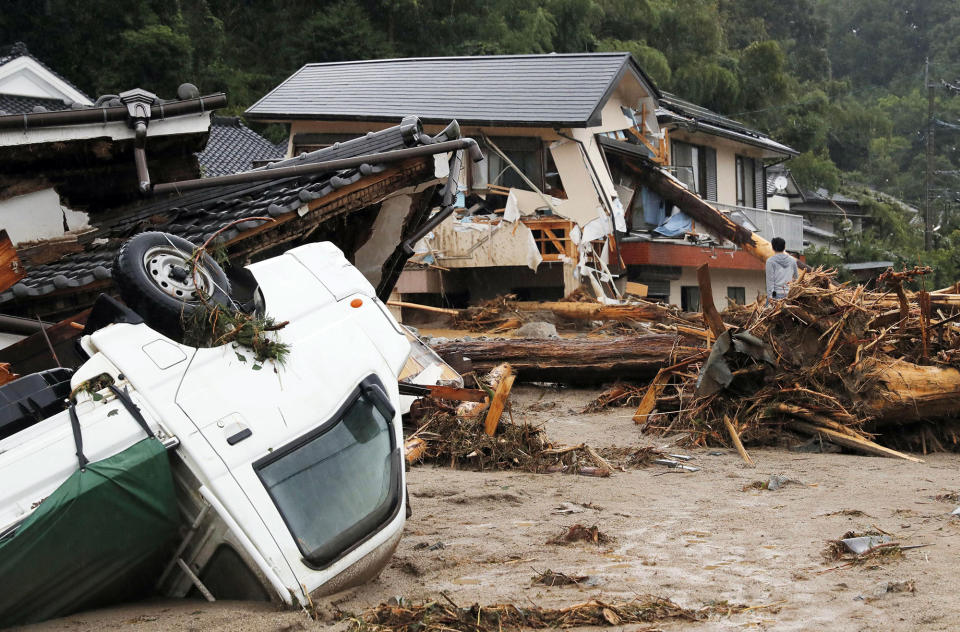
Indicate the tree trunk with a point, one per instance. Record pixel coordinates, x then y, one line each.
572 360
598 311
900 392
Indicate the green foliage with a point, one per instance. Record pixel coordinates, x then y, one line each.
839 80
813 171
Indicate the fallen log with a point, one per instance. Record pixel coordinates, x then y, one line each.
574 360
598 311
901 392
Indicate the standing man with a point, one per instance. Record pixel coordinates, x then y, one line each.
781 270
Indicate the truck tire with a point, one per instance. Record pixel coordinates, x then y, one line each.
154 280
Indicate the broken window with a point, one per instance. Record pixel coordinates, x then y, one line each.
527 153
746 187
690 298
737 294
690 163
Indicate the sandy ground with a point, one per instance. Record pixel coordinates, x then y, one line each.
695 538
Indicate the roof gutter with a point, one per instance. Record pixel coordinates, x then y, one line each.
111 114
276 173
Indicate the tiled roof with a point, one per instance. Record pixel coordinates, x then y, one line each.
550 89
233 147
198 215
19 49
15 104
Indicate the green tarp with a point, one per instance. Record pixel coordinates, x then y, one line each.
103 536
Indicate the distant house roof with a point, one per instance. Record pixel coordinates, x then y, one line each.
567 90
868 265
22 74
233 147
694 117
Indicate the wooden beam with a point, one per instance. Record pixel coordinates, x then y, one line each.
497 403
11 269
735 438
851 442
425 308
711 316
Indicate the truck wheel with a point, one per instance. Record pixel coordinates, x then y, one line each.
153 276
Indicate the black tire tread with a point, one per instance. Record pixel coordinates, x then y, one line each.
159 311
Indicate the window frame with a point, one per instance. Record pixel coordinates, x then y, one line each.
699 173
372 388
741 178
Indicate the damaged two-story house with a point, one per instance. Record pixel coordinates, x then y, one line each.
576 146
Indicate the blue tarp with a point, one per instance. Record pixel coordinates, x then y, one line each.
676 225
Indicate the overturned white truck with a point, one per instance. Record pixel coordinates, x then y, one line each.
179 469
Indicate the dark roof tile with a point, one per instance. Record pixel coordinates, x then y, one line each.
198 215
519 89
234 147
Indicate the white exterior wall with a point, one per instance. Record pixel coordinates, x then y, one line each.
754 282
38 215
726 175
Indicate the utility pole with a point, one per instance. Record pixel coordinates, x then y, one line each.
928 176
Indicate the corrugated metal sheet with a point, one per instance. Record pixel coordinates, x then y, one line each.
510 89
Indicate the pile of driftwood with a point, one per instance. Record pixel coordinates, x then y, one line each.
474 435
437 616
869 370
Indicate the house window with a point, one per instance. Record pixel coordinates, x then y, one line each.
737 294
690 298
526 153
690 166
746 186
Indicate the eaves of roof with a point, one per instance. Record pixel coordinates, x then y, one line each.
752 138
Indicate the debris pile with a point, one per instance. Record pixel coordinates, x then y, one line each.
441 617
580 533
832 360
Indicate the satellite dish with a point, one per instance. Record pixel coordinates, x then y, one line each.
780 183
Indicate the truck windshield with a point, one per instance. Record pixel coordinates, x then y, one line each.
336 487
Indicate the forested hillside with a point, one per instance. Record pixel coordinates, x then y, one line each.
840 80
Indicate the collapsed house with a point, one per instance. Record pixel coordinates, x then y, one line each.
583 154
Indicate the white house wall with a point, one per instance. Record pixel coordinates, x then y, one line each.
38 215
754 282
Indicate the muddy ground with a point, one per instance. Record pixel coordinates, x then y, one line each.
695 538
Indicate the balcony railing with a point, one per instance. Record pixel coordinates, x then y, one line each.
769 224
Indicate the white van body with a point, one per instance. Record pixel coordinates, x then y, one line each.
241 437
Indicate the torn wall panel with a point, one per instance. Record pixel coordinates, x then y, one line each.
482 244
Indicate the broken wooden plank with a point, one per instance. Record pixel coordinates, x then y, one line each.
656 387
735 438
425 308
711 316
414 449
11 269
497 404
851 442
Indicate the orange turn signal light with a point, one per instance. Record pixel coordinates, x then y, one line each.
357 302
